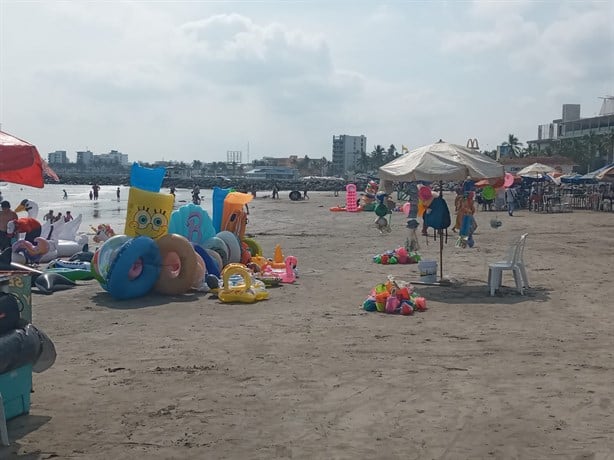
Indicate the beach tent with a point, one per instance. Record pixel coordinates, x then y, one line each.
441 162
607 174
576 179
20 162
594 175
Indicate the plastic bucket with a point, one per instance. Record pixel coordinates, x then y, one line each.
428 271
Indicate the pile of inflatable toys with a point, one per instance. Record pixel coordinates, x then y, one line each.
173 252
400 255
394 297
168 252
366 202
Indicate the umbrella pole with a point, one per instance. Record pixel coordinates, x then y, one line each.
441 239
440 255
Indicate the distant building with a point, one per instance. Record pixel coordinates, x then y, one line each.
572 125
85 157
272 173
113 157
57 157
346 152
559 163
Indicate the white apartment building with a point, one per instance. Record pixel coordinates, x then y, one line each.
346 152
57 157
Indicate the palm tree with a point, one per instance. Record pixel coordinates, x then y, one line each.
514 144
391 154
377 156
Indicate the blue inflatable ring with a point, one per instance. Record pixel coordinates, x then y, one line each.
119 285
211 265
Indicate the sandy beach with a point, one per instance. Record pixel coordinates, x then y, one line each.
308 374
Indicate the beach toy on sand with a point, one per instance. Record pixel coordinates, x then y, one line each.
218 245
233 244
179 264
219 195
148 179
244 291
350 198
148 213
193 222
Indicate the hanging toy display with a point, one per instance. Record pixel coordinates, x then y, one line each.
381 211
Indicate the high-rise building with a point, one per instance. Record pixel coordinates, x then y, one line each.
346 152
85 157
57 157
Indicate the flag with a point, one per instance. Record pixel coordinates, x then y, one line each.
404 149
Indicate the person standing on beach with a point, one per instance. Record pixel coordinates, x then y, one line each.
275 192
305 196
6 215
95 189
510 196
117 192
91 195
65 194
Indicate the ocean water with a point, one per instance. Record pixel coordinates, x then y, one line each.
107 210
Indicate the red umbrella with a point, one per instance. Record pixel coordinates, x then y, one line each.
20 162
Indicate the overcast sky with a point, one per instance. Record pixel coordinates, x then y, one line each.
192 80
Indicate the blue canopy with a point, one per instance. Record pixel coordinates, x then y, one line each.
593 174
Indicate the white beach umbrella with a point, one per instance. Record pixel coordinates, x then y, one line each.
535 170
441 161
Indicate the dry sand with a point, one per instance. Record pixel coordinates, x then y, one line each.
307 374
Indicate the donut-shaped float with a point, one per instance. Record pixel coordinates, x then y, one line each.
218 245
211 265
178 265
135 268
234 245
254 248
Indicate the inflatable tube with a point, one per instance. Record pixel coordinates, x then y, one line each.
193 222
85 255
178 265
234 245
219 246
135 269
47 355
20 347
73 274
48 283
199 272
295 195
244 292
211 265
254 248
337 209
34 253
216 258
105 256
219 195
67 248
59 263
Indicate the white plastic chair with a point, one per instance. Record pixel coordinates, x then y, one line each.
513 262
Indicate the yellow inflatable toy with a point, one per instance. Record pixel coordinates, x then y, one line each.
148 213
245 292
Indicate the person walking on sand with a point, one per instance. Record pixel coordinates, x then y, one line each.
305 196
117 192
510 196
65 194
275 192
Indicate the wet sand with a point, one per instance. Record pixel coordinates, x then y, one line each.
308 374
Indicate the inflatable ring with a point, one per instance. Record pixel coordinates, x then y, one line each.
139 257
218 245
178 265
211 265
233 243
254 248
295 195
199 272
